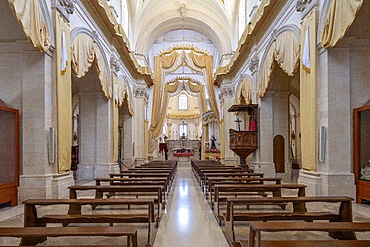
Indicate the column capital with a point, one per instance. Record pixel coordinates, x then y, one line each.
227 91
66 7
141 91
253 63
114 64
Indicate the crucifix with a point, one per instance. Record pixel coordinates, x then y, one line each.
238 121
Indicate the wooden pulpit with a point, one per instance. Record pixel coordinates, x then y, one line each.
245 142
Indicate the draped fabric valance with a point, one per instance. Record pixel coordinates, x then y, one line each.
245 91
29 15
167 63
121 93
285 50
84 52
340 17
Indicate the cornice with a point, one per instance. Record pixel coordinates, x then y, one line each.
117 38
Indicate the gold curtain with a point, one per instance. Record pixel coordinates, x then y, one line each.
84 52
267 68
64 96
205 61
160 62
340 17
197 87
29 15
308 97
286 52
245 90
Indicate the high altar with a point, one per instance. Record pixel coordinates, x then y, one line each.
183 149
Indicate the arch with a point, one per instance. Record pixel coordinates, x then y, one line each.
86 50
284 45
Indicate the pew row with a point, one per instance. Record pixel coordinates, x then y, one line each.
344 232
223 192
32 218
299 211
32 236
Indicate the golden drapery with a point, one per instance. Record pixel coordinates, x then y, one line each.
64 96
308 97
29 15
285 50
169 62
205 62
160 62
84 53
171 87
340 17
245 91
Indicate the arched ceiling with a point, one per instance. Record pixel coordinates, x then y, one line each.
152 18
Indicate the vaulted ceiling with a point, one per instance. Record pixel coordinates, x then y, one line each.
150 19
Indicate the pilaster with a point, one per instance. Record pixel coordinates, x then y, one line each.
334 175
264 154
140 98
227 98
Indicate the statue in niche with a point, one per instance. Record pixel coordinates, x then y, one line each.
213 142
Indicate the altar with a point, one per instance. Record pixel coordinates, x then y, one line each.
183 150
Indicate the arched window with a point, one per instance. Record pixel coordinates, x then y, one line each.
183 102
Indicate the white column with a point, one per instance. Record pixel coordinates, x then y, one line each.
264 154
140 98
227 97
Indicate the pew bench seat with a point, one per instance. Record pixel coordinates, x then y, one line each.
344 232
34 235
307 243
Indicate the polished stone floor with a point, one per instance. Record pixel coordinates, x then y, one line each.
186 221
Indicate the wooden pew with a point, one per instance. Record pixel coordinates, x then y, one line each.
244 180
232 174
135 181
340 228
299 212
74 215
234 190
143 175
34 235
127 189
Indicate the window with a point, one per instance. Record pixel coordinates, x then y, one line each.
183 102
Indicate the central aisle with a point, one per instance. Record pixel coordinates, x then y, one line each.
188 219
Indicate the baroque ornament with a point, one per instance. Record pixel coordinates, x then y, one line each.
141 92
227 91
114 64
68 5
301 5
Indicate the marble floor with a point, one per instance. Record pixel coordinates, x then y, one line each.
186 221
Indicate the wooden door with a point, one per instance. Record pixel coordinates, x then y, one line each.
279 154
